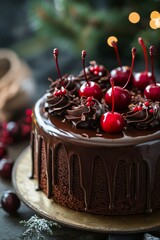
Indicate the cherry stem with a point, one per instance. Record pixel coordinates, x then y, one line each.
84 65
141 42
55 55
151 52
114 45
112 85
132 65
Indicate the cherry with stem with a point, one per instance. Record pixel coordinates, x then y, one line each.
142 79
114 45
112 122
152 91
89 88
121 73
55 55
122 97
62 90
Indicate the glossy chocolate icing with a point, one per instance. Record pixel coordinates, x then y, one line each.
132 156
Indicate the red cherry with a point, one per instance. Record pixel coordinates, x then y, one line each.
97 70
147 104
28 116
28 112
3 150
142 79
121 73
60 92
152 91
90 102
6 166
90 89
151 110
112 122
28 120
12 128
10 202
135 109
122 97
25 130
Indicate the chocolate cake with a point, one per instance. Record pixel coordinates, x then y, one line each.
83 167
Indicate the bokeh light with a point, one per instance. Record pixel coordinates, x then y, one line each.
134 17
152 24
111 39
154 14
155 20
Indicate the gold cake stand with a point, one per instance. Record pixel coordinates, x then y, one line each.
45 207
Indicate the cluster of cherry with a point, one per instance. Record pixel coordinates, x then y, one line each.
117 96
10 133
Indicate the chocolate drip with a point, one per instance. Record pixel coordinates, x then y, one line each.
49 167
55 166
32 155
137 172
86 170
111 177
71 173
38 160
86 164
151 172
128 174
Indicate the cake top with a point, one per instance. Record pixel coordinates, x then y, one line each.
101 101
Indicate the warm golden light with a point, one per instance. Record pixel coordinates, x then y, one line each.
155 20
154 14
111 39
152 24
134 17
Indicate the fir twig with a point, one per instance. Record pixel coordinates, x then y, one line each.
36 227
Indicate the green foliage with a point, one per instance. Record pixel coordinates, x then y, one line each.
82 25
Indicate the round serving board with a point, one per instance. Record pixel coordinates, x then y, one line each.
37 200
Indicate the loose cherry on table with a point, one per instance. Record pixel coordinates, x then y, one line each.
10 202
13 128
112 122
6 166
3 150
89 88
121 73
152 91
8 134
122 97
142 79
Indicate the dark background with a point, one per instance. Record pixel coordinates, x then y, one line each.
15 34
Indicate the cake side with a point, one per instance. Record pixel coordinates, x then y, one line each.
96 140
107 179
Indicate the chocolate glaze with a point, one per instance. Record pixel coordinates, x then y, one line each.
132 155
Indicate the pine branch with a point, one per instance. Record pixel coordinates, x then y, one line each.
36 227
80 25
